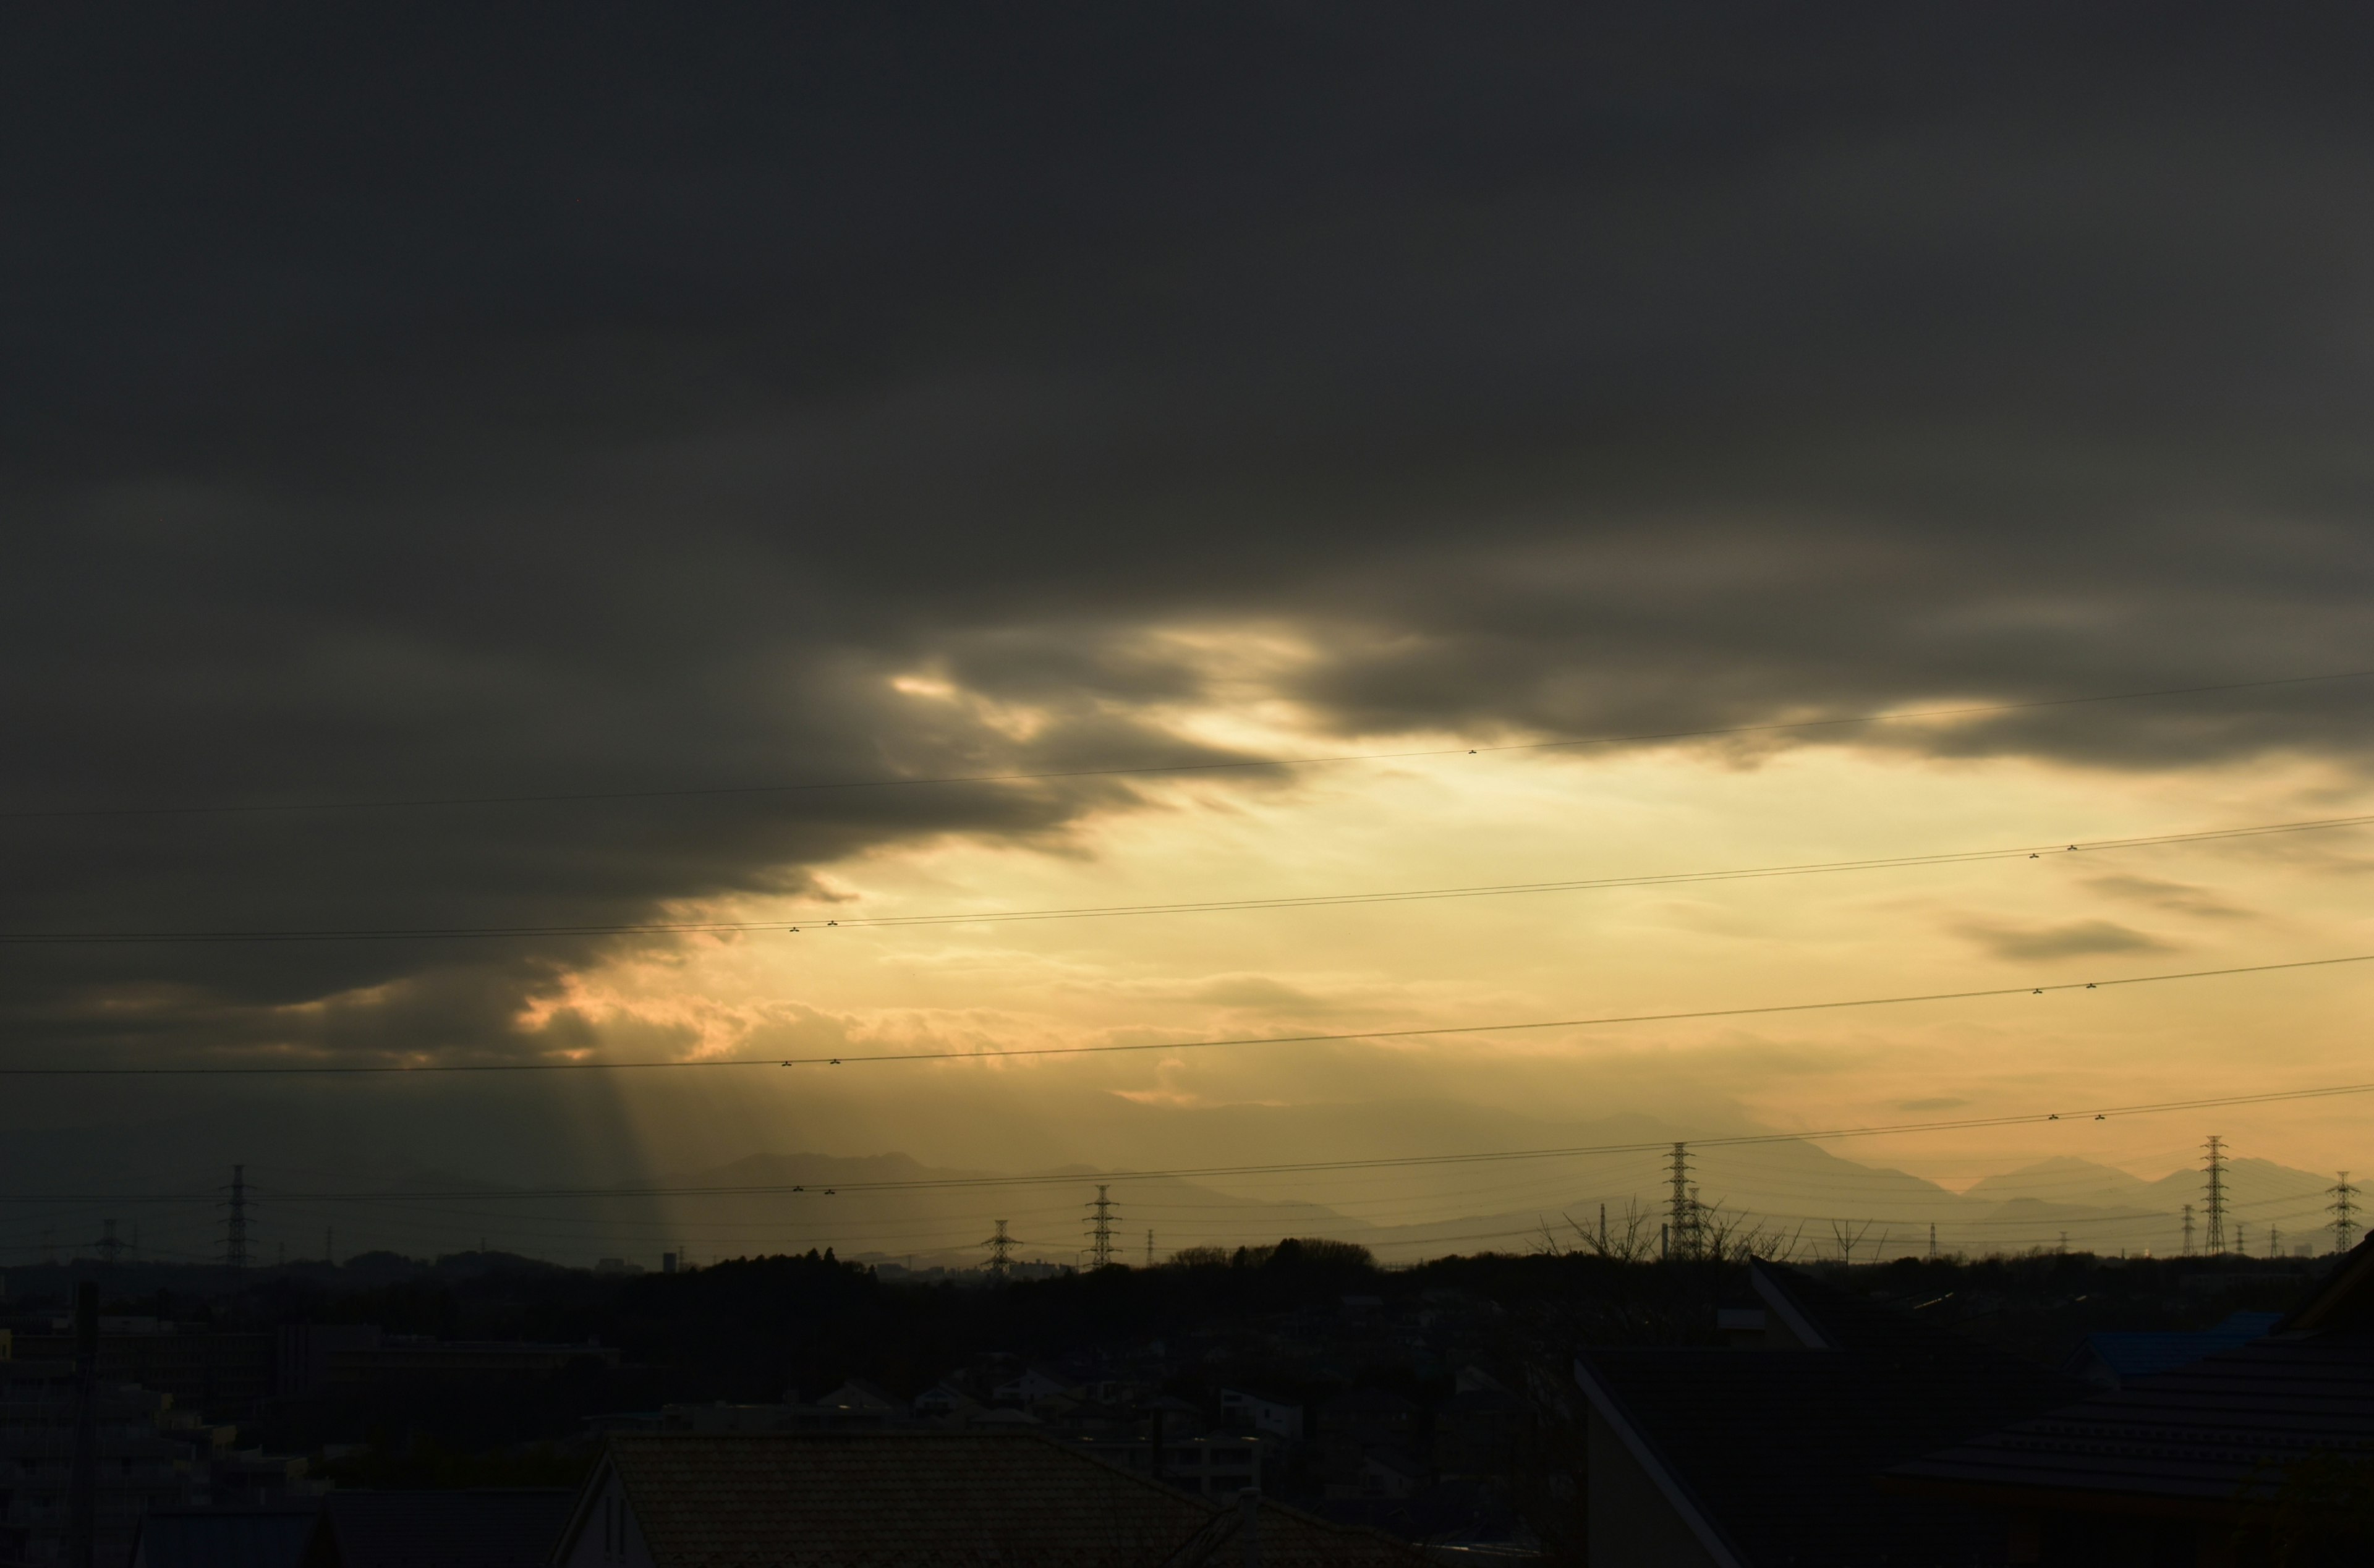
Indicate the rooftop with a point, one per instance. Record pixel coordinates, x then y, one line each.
920 1498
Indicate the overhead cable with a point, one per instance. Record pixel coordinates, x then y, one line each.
338 1069
2076 1117
829 921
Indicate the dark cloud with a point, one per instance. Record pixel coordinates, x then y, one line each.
618 401
2075 939
2178 897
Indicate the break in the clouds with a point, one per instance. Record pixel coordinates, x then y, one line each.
652 398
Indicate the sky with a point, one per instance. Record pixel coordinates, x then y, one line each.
660 438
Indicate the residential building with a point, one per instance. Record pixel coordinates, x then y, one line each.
1210 1465
223 1375
141 1465
1258 1412
925 1499
1035 1386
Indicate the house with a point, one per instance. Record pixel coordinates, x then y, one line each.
1771 1456
489 1528
1034 1387
1370 1418
1388 1473
2182 1465
719 1416
924 1499
860 1397
945 1402
2112 1360
1258 1412
1208 1465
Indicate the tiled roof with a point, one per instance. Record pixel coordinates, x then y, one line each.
225 1537
924 1499
2129 1356
2199 1433
496 1528
1781 1450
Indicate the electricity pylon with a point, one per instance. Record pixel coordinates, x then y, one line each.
1682 1208
235 1227
1001 1254
1100 1230
2213 1169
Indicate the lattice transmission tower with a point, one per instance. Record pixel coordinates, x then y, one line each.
2213 1195
235 1227
1100 1230
2345 1212
1001 1255
1682 1207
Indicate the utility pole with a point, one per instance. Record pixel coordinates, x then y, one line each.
1100 1230
2188 1230
1001 1255
2345 1212
2213 1169
1682 1221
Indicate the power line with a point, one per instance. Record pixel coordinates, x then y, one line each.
821 922
410 803
1404 1162
1767 1009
